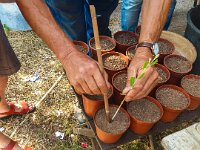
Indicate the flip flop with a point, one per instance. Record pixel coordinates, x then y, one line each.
24 110
12 144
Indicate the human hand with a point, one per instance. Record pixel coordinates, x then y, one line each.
84 74
144 85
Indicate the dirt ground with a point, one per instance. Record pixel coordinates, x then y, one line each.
56 112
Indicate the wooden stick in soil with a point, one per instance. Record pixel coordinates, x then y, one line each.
98 48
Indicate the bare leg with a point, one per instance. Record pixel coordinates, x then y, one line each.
4 107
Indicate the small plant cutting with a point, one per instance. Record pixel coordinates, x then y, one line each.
145 66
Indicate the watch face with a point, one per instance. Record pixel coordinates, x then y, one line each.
156 48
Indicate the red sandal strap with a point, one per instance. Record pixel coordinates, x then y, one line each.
25 108
10 145
11 111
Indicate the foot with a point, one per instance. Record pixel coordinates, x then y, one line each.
18 108
6 142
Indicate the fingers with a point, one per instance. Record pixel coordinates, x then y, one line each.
131 73
85 86
100 81
93 87
143 86
78 89
106 79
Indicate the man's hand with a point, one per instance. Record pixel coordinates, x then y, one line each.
84 74
142 86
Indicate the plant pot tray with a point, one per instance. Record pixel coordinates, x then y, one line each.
159 127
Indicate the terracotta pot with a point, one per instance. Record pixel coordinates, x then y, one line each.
118 97
94 51
82 44
123 47
91 105
163 55
159 84
176 76
110 138
142 127
137 30
195 101
112 72
127 52
169 113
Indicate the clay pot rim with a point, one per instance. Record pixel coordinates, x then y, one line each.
178 89
170 43
190 76
104 37
129 32
117 54
113 77
156 102
165 70
98 99
123 110
82 44
128 49
174 55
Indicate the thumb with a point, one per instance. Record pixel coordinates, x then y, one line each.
126 90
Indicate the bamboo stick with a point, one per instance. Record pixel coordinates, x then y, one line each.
98 48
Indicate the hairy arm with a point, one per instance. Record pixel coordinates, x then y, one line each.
82 71
154 14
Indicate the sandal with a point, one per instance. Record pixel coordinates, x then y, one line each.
12 144
24 109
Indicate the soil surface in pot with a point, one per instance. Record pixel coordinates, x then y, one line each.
98 97
192 86
120 81
131 53
165 47
126 39
113 62
144 110
162 75
81 48
172 98
117 126
178 64
105 44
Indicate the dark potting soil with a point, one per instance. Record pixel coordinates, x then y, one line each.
120 81
131 53
162 75
126 39
178 64
165 47
192 86
113 62
144 110
98 97
81 48
172 98
117 126
105 44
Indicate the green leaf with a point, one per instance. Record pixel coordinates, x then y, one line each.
145 64
132 81
142 75
155 57
154 62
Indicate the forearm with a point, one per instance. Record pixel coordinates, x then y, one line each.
154 14
42 22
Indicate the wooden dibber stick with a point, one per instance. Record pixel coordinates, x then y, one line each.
98 48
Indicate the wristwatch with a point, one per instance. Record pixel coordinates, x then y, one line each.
152 46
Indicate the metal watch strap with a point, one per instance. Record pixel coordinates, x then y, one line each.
146 44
